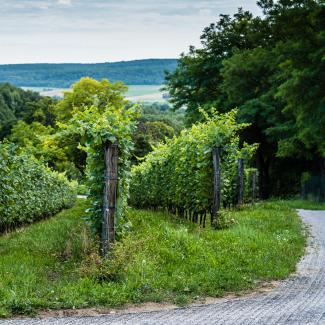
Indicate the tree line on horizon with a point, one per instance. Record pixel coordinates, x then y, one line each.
63 75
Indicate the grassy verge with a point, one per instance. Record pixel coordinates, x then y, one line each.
305 204
53 264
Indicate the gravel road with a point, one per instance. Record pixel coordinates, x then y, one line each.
297 300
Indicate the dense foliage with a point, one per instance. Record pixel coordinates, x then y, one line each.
179 174
95 122
272 68
44 143
17 104
34 126
156 123
138 72
29 191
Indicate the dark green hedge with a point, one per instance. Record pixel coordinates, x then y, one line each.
29 191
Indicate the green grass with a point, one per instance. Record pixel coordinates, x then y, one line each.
134 91
140 90
305 204
37 261
53 264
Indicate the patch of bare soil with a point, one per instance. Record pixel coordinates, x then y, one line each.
152 306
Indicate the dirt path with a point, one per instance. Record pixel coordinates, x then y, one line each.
297 300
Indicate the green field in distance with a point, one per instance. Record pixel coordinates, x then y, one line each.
136 93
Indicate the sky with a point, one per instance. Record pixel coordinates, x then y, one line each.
88 31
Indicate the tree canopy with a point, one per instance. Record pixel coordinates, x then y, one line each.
32 122
18 104
273 69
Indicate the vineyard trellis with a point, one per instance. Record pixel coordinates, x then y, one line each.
217 185
29 190
110 195
193 175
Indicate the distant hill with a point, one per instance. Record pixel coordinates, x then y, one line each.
62 75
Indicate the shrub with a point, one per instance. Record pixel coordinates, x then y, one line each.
29 191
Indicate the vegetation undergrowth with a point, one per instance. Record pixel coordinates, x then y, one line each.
53 264
305 204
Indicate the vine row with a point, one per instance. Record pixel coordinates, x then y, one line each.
178 175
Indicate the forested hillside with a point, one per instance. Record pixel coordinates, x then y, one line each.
139 72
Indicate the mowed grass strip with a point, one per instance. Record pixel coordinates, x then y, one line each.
33 263
54 264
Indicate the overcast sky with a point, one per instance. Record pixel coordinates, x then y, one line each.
105 30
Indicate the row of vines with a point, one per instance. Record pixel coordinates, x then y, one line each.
29 191
179 174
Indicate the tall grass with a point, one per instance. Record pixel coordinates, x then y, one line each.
305 204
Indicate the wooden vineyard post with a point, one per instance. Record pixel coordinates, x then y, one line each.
254 176
216 185
110 196
240 181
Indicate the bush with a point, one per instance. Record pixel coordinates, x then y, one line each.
29 191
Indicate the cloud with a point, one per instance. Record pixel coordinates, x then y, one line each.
64 2
42 6
24 6
105 30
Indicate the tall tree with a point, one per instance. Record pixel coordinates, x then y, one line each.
272 69
18 104
197 79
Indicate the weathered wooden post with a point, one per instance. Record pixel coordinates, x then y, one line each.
110 196
240 181
216 185
254 176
